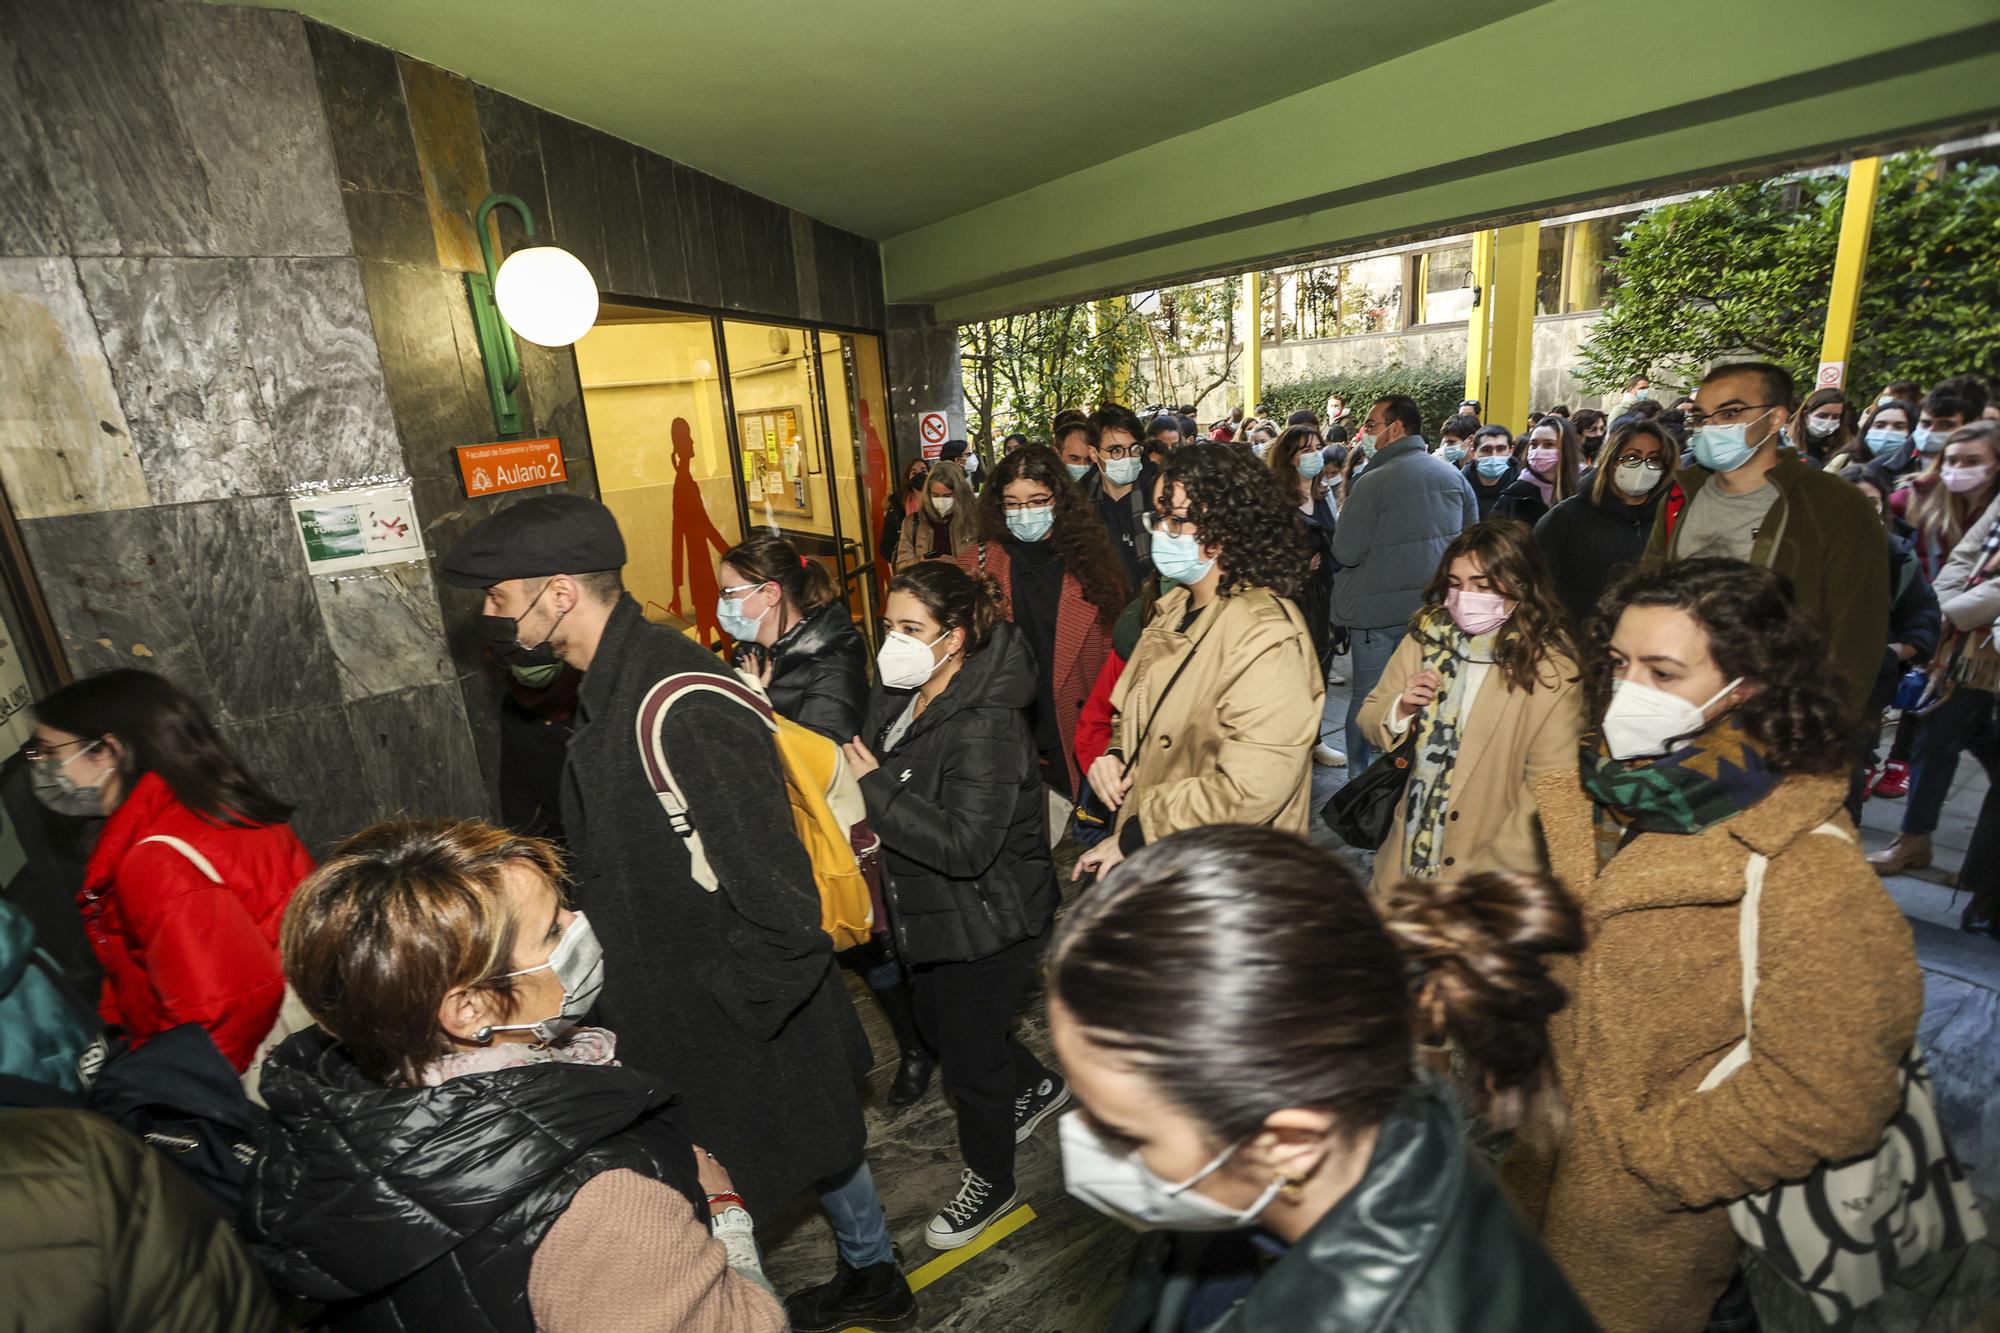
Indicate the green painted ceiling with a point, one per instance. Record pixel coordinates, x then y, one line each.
884 115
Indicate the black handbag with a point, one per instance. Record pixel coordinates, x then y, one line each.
1363 811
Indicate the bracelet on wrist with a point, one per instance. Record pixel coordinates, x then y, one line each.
727 1199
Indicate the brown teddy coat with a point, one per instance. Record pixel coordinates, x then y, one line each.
1631 1196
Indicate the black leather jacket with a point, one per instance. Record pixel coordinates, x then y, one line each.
1426 1243
819 674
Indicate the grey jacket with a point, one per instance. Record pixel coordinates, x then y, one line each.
1402 513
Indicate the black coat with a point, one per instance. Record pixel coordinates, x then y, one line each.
1520 499
420 1208
1487 496
731 996
1426 1241
959 807
1316 598
1588 544
1914 619
819 674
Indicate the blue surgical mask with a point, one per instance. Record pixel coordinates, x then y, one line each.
1723 448
1179 558
1451 453
1883 441
1930 440
1077 471
1494 467
1031 525
1311 464
1123 471
729 613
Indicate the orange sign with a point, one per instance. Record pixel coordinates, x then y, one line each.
510 465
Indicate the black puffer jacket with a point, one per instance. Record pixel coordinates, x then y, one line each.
819 673
420 1208
1487 496
959 806
1589 543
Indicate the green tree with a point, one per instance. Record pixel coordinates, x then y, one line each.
1191 336
1020 370
1747 270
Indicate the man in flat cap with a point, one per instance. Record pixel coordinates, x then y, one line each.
731 995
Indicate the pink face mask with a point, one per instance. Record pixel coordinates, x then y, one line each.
1543 460
1961 479
1477 612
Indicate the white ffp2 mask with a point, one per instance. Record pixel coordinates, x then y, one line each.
1118 1185
1642 721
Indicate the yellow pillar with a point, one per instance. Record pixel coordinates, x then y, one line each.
1510 362
1479 321
1253 341
1850 262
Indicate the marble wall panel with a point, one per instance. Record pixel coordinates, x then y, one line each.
834 260
874 307
451 157
576 217
555 397
250 603
480 692
410 308
116 590
308 758
692 195
361 91
727 205
805 265
243 376
627 267
384 627
64 445
416 754
512 133
658 202
30 222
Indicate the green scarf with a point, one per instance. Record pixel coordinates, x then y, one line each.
1427 799
1715 775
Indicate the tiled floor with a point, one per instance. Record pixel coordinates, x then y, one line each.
1062 1272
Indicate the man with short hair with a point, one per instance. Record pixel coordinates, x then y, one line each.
1942 413
1469 407
1746 498
1121 487
1399 516
728 993
1073 447
962 453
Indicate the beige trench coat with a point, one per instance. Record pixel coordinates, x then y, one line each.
1232 742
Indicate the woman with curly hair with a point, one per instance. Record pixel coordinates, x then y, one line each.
1711 788
1487 678
1062 585
1215 718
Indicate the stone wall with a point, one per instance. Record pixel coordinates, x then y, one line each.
231 247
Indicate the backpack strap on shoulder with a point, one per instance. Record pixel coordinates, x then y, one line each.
186 849
653 751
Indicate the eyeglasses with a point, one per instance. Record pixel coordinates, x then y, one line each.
35 752
1119 450
1173 525
1016 506
1727 416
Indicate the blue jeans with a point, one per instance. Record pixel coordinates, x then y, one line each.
860 1230
1370 657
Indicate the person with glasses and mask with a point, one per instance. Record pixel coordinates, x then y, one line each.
1746 498
193 864
1119 484
948 767
1591 537
537 1179
1216 715
1243 1030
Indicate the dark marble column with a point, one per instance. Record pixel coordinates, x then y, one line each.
924 375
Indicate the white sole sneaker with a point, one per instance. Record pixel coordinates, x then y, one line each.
1032 1123
955 1240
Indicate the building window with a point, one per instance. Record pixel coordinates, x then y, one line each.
1443 283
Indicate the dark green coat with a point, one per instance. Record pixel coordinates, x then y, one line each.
104 1233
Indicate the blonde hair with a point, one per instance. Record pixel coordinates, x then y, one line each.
964 521
1938 513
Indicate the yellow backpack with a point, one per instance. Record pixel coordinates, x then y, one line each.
827 810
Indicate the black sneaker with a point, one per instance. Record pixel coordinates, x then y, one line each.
976 1206
1037 1104
877 1297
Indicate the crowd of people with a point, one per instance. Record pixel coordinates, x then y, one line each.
1617 682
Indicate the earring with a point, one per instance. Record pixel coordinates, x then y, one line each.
1289 1189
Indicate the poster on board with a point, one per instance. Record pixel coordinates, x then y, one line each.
358 529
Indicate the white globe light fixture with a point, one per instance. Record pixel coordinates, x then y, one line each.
546 295
542 293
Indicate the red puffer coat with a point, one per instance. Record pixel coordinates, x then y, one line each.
177 946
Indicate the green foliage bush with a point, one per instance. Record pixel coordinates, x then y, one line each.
1437 388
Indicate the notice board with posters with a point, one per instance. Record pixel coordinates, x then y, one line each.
774 460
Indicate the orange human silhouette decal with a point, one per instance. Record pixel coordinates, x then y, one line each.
693 534
876 493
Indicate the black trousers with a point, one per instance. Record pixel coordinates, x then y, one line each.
965 1012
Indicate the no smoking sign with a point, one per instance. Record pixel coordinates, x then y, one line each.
932 428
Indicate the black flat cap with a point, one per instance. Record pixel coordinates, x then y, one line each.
539 536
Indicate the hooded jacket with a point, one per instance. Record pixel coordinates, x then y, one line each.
819 674
1589 542
420 1208
958 804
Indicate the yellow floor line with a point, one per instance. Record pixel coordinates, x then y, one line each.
951 1259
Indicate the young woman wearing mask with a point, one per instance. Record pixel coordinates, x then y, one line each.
795 640
1590 538
946 523
1590 427
1300 467
1492 468
1455 439
1950 493
1824 428
949 769
192 866
1218 711
898 510
1723 746
1242 1029
1061 583
448 979
1883 440
1638 389
1488 678
1548 473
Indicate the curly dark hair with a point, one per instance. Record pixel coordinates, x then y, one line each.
1799 715
1237 504
1079 536
1508 555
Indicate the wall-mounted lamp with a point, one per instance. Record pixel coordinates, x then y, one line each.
542 292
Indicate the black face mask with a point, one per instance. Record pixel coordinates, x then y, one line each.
503 635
